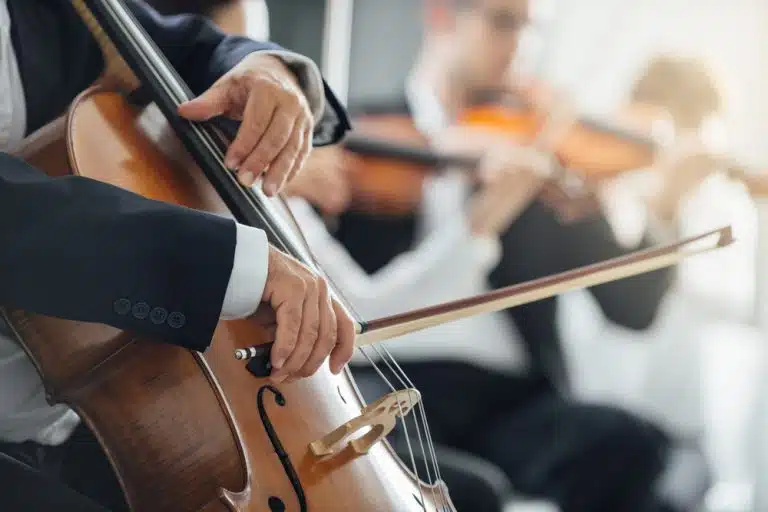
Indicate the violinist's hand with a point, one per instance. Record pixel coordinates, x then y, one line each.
277 125
310 325
681 170
323 182
510 178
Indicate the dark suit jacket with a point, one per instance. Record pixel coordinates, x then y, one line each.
83 250
535 245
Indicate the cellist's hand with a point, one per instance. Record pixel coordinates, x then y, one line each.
310 325
275 136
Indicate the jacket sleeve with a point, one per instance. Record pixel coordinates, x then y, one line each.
201 54
83 250
632 302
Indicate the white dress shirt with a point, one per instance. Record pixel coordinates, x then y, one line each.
446 263
24 412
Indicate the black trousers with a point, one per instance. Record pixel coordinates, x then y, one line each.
76 476
25 489
586 458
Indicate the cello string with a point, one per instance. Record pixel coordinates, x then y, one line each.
173 88
418 410
378 350
425 421
414 466
418 406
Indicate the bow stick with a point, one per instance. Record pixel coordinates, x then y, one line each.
638 262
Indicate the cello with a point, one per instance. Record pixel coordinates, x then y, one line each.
186 431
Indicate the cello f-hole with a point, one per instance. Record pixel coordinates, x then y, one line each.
275 503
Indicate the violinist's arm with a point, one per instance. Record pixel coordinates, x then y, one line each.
538 245
633 302
202 54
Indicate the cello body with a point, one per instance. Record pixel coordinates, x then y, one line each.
186 431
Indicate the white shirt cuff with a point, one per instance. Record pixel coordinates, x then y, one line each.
310 79
249 273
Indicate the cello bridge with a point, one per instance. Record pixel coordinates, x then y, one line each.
381 416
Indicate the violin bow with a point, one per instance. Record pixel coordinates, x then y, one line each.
635 263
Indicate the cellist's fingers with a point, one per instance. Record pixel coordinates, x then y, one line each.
326 339
263 92
308 334
262 135
345 340
291 290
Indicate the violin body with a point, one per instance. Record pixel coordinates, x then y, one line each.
187 431
386 186
592 149
387 172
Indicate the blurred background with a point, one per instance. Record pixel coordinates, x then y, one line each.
701 368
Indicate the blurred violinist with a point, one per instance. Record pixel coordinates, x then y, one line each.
497 385
485 393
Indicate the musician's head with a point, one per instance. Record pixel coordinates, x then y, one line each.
480 37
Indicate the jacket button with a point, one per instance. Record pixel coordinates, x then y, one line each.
176 320
158 315
122 306
140 310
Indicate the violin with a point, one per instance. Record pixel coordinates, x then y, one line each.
591 148
187 431
387 160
